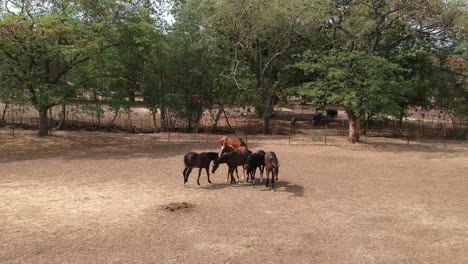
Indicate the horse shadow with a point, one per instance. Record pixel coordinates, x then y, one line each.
285 186
280 186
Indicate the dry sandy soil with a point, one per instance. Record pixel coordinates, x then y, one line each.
116 199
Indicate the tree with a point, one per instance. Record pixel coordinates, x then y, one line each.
361 83
39 49
393 35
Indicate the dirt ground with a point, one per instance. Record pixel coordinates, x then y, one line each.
112 198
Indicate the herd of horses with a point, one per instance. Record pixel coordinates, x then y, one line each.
235 153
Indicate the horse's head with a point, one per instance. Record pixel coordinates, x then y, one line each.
215 165
226 148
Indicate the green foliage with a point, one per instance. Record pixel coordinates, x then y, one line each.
39 52
355 80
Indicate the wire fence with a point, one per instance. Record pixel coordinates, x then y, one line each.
238 122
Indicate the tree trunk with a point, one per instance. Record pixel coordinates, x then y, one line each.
400 125
43 123
227 120
63 117
266 124
153 113
162 116
116 114
131 96
4 111
354 126
216 119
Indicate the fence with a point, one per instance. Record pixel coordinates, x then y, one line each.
140 120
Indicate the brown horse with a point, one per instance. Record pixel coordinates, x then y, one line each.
229 149
230 144
201 161
272 166
233 160
234 142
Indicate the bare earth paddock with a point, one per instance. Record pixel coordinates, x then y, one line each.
116 199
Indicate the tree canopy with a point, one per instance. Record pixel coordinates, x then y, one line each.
371 57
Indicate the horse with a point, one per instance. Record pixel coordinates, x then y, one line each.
229 148
254 161
198 160
272 166
233 160
234 142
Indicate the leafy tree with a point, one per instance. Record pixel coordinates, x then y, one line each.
359 82
393 35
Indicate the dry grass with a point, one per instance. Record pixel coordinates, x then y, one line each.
66 199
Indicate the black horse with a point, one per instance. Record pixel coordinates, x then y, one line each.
232 159
198 160
254 161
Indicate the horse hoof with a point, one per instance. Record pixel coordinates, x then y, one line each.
209 182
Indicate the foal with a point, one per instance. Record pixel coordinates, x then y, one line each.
272 166
254 161
232 159
201 161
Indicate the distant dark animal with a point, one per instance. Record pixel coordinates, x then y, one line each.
319 119
332 114
233 160
293 124
272 166
201 161
254 161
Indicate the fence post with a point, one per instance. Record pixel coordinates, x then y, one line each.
13 128
367 129
290 127
445 134
326 132
407 132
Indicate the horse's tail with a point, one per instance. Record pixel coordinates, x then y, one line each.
189 159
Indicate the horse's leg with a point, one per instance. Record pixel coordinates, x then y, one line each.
185 171
243 171
273 180
188 174
267 177
237 173
231 173
199 173
262 169
208 173
252 177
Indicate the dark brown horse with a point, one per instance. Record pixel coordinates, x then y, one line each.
271 166
228 148
233 160
254 161
198 160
